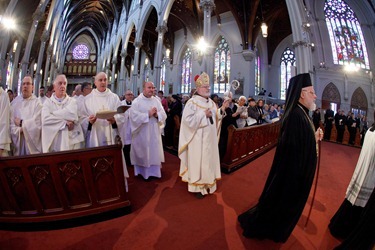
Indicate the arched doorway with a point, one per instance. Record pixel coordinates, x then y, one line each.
330 95
359 102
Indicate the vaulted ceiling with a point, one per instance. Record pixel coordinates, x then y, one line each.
100 15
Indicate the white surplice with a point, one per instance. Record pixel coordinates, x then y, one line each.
55 134
198 145
363 180
242 110
101 133
147 149
125 129
29 110
5 140
42 99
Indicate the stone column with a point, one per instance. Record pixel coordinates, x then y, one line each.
52 69
137 45
161 29
113 80
4 41
38 14
121 78
47 66
372 92
38 76
346 92
208 6
301 36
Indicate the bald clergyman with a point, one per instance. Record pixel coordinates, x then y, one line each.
147 116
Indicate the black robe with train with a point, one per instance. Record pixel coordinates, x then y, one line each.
289 181
362 237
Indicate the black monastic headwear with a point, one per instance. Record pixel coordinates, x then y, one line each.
293 93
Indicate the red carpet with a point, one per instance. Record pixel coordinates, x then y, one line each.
165 216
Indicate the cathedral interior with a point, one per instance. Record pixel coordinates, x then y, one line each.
260 43
251 48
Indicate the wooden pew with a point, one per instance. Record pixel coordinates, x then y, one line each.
63 185
248 143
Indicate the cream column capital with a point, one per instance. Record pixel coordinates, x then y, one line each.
49 49
45 36
123 53
207 5
163 28
138 44
37 15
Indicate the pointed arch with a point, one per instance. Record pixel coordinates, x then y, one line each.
143 20
359 103
331 94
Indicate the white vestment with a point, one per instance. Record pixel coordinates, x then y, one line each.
81 106
55 134
30 140
147 149
363 179
80 103
4 123
242 110
125 130
198 145
102 133
42 99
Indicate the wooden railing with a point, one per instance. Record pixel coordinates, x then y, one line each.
247 143
64 185
345 138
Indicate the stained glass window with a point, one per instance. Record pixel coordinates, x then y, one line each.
162 75
186 72
222 66
347 41
288 60
9 73
257 75
81 52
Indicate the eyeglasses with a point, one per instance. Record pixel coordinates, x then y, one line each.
311 92
205 87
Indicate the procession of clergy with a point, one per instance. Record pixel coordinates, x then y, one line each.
32 125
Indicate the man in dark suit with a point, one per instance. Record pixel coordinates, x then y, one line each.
253 113
340 121
328 120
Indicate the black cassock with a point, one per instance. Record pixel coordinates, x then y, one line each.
289 181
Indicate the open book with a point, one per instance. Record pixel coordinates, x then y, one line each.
107 114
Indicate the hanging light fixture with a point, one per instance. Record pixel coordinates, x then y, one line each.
263 25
